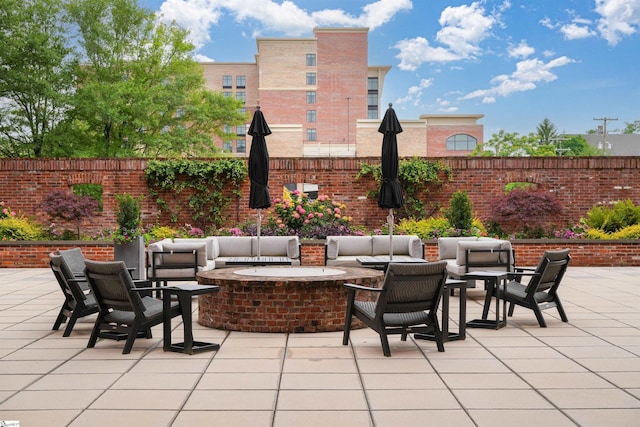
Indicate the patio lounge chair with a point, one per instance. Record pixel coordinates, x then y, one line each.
541 292
79 300
122 309
408 298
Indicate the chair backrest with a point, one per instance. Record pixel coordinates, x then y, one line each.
110 282
65 278
550 271
412 287
74 260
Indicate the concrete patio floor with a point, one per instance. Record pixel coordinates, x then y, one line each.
585 372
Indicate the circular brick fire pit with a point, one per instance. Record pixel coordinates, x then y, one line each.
280 299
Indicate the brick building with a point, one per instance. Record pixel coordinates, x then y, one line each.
321 98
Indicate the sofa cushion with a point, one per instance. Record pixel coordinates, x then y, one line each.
448 246
402 245
482 257
210 241
293 248
234 246
354 245
333 245
184 258
276 246
156 247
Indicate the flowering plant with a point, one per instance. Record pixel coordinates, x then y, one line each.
6 211
297 214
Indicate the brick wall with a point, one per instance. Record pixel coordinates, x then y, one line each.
579 183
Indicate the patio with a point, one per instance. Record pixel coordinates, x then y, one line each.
585 372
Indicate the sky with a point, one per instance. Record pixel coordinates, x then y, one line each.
516 62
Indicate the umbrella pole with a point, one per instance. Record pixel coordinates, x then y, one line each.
259 219
390 219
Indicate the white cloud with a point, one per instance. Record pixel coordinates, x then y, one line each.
283 17
414 52
414 93
523 50
619 18
528 74
463 29
575 31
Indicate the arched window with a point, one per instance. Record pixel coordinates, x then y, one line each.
461 141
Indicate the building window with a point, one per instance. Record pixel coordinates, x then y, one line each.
372 113
311 78
227 146
311 59
227 81
227 129
311 116
311 135
372 84
241 146
241 96
311 97
241 82
461 141
227 94
372 100
241 130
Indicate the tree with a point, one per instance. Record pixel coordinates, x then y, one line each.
36 76
513 145
460 214
576 145
547 132
139 92
633 127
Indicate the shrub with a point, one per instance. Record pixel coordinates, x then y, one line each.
525 212
18 228
69 208
129 218
459 213
611 219
434 227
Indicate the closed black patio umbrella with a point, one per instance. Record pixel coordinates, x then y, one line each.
390 196
259 167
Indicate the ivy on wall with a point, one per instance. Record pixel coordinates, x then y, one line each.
207 186
417 176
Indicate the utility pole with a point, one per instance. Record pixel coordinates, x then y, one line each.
604 132
559 140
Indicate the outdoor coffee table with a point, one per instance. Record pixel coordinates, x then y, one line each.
462 315
261 260
494 282
382 261
184 293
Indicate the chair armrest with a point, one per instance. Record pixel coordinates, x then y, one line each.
354 287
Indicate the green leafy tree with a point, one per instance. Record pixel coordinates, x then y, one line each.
547 132
139 91
576 145
504 144
36 76
633 127
459 214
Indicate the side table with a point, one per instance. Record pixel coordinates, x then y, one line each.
494 282
184 293
451 284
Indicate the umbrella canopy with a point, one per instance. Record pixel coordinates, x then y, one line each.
259 162
390 196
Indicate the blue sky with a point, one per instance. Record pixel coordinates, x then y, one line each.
515 61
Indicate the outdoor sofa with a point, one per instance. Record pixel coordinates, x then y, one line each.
182 259
344 250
